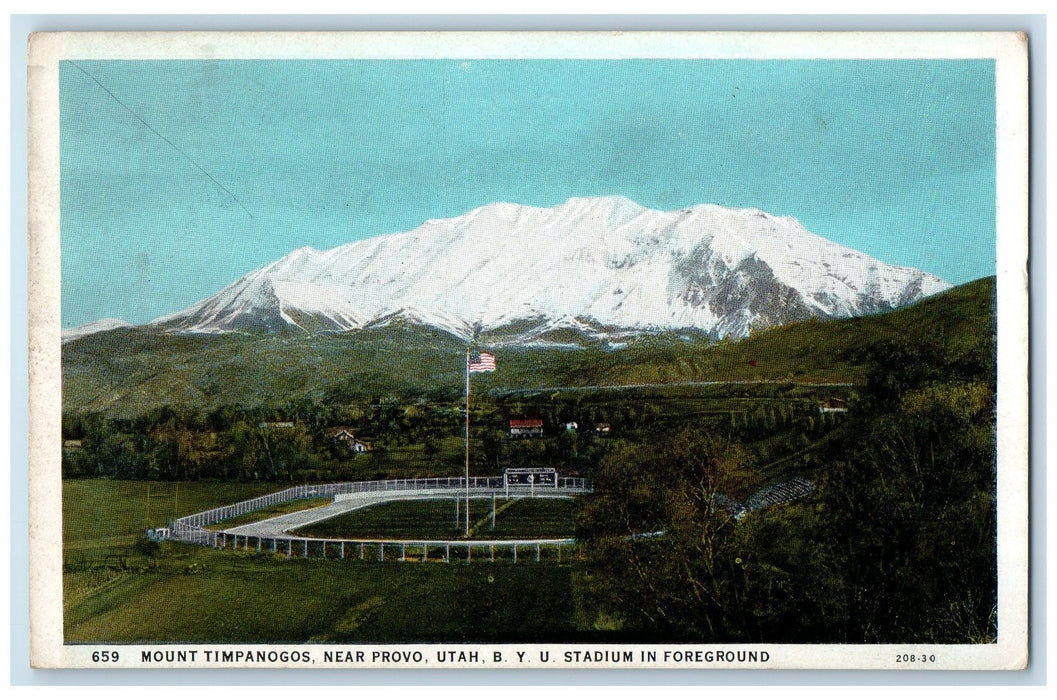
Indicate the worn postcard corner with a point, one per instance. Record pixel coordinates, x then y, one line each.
528 350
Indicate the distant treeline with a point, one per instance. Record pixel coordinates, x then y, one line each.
296 441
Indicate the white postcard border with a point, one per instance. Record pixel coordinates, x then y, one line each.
1006 48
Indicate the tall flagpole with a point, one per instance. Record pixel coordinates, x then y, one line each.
467 443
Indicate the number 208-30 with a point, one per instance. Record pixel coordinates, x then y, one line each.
915 658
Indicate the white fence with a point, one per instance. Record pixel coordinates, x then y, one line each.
191 529
418 550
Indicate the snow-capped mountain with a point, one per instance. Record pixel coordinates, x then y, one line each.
601 265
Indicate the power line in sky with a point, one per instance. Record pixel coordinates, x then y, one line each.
162 137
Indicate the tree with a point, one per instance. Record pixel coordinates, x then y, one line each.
660 543
909 520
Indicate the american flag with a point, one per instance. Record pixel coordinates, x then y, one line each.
484 363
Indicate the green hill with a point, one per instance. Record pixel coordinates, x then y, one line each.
128 371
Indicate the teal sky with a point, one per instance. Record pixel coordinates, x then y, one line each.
178 177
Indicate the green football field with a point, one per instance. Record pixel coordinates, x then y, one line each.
441 519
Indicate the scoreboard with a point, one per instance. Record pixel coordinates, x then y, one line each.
531 476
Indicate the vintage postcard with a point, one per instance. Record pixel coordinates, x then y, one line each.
528 350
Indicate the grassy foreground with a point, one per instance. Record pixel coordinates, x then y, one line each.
113 592
197 594
101 517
